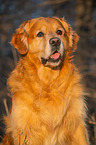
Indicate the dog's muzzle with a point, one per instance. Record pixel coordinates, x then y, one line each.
55 43
55 56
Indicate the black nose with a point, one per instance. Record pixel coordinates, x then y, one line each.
55 41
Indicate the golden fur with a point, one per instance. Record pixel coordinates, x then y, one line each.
47 104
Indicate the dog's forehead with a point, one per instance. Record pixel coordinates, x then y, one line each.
47 23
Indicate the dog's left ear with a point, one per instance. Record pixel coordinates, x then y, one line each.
73 37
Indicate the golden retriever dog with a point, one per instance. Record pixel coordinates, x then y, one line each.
47 105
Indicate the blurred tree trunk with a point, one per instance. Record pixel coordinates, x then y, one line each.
85 29
84 10
86 54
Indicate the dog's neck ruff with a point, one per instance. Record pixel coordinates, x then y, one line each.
47 75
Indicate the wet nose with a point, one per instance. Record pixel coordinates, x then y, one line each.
55 41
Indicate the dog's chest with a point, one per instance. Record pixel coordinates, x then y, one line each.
50 107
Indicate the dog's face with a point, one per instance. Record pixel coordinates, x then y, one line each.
47 38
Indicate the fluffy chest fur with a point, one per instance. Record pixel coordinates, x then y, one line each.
43 109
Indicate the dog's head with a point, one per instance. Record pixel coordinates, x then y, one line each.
47 38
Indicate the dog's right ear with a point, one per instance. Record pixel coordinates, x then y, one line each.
20 39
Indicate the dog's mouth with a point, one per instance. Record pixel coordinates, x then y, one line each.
55 57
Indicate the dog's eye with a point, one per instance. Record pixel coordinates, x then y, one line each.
59 32
40 34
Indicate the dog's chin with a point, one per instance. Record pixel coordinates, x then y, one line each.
53 61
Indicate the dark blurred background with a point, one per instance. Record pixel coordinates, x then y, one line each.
81 14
